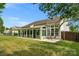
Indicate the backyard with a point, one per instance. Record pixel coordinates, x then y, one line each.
10 45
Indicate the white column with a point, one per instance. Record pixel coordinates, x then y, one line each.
40 32
46 31
35 33
32 33
50 30
59 33
21 33
18 32
12 33
29 33
54 30
26 32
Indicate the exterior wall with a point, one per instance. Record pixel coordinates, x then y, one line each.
42 34
24 32
49 32
7 32
64 27
15 32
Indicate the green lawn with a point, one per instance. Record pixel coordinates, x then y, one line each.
27 47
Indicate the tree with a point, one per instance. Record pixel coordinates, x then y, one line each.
1 26
1 22
2 29
2 6
73 28
7 28
66 11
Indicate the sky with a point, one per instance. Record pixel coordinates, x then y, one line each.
21 14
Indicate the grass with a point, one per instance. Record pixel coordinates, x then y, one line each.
26 47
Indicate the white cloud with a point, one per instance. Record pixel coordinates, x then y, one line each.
21 23
11 5
11 21
14 18
11 18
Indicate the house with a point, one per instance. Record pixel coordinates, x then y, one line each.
14 31
7 32
43 29
11 31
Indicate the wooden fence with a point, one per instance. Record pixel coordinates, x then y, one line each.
73 36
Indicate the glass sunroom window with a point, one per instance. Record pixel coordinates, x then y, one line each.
44 31
48 32
56 31
52 32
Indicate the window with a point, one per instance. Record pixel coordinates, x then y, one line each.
48 32
56 25
43 32
30 32
52 32
56 31
52 26
38 32
44 27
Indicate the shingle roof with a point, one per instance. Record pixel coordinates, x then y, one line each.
55 21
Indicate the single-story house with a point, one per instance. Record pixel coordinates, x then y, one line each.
11 31
7 32
43 29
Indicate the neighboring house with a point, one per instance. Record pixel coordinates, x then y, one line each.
43 29
14 31
7 32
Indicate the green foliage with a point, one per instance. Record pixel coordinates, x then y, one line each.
1 26
64 10
73 28
2 6
2 29
7 28
1 22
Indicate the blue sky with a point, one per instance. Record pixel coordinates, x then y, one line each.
21 14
